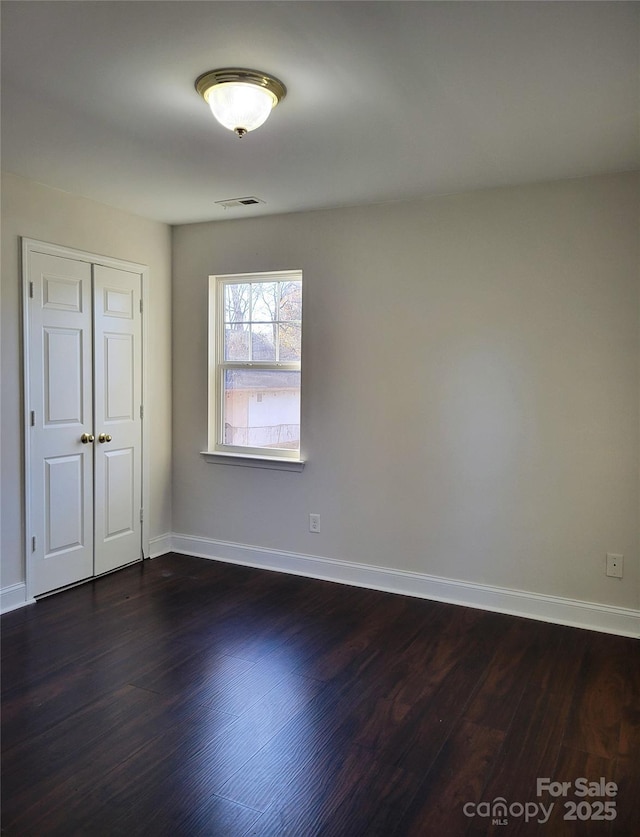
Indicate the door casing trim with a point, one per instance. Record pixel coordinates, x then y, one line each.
31 245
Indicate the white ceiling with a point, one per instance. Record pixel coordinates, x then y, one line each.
386 100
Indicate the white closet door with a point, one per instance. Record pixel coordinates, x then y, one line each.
60 417
83 381
118 422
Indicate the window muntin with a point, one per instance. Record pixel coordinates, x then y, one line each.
256 339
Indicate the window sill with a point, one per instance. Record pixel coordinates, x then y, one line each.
274 463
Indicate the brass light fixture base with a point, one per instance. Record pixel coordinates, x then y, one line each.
209 79
240 99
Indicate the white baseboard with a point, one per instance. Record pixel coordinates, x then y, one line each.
160 545
589 615
14 597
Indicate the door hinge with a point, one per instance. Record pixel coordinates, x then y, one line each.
33 418
31 290
141 515
141 306
33 543
141 411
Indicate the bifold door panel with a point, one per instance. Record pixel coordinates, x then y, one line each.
117 399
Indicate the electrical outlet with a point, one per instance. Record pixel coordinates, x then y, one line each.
614 565
314 522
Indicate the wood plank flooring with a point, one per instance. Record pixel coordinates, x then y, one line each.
185 697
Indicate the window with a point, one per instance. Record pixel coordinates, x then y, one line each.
254 366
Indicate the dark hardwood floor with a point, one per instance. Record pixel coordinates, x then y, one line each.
185 697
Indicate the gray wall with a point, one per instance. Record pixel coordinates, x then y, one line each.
471 387
471 380
35 211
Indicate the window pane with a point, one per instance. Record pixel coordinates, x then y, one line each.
289 341
236 302
264 301
262 409
291 300
236 342
263 341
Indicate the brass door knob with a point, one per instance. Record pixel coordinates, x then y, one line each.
86 438
104 437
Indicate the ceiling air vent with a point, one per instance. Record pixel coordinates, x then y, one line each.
230 203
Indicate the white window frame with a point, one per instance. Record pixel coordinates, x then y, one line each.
218 451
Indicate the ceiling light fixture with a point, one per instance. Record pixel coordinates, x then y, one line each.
241 100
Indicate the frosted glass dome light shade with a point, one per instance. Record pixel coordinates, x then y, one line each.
237 105
241 100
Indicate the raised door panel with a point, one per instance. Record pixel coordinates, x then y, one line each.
65 511
62 293
120 485
118 382
64 396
